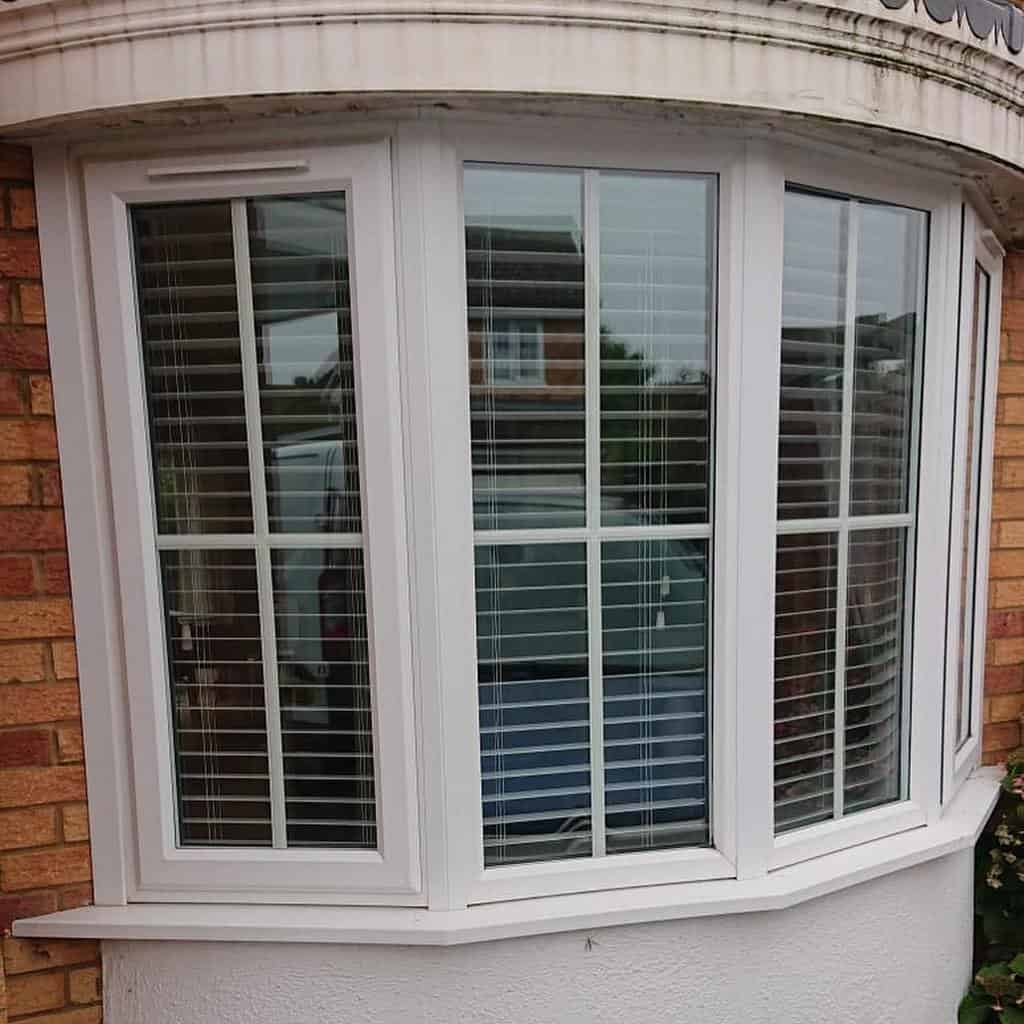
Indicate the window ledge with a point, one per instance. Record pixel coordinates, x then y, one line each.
958 829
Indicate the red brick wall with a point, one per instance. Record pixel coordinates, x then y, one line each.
1004 672
44 834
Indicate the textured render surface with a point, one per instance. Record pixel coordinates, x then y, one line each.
44 836
1004 673
888 945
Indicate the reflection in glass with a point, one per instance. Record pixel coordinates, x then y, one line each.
324 691
212 623
188 320
298 248
813 330
874 668
805 664
657 237
524 277
654 603
534 701
890 305
972 487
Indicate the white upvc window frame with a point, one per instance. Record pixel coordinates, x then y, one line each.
979 248
430 749
166 869
922 683
480 144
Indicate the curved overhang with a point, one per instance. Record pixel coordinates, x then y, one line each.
942 74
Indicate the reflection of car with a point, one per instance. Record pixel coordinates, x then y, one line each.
306 486
535 687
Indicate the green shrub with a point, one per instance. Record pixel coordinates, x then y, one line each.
997 994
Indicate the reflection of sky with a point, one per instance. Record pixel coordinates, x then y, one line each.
302 346
890 246
656 270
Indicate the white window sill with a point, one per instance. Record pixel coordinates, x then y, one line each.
957 830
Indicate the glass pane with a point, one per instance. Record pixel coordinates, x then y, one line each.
524 276
654 627
531 604
188 320
657 258
890 313
813 331
324 685
211 609
805 664
874 668
298 247
969 514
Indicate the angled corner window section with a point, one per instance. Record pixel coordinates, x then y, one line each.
972 409
852 321
592 507
246 328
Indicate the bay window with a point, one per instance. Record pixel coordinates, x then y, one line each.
500 516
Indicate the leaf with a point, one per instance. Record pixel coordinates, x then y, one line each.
1000 970
1017 964
1012 1015
974 1009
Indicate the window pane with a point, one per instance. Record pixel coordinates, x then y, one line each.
874 668
969 515
534 701
805 664
211 608
298 248
524 273
657 246
654 604
814 289
188 320
324 686
890 311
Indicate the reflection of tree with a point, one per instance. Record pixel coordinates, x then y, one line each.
654 433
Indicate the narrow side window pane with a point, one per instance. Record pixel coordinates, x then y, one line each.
524 274
890 311
212 621
805 664
298 252
974 413
188 321
654 621
813 331
324 686
657 297
874 667
534 701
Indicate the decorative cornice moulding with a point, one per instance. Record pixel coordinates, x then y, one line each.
919 67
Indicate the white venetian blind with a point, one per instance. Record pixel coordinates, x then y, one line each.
245 318
592 648
853 294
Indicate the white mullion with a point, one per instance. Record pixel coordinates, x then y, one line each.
579 535
592 400
843 566
172 542
258 488
893 520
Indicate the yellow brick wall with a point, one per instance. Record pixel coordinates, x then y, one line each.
44 834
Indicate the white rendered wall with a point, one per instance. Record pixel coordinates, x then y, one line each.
895 949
